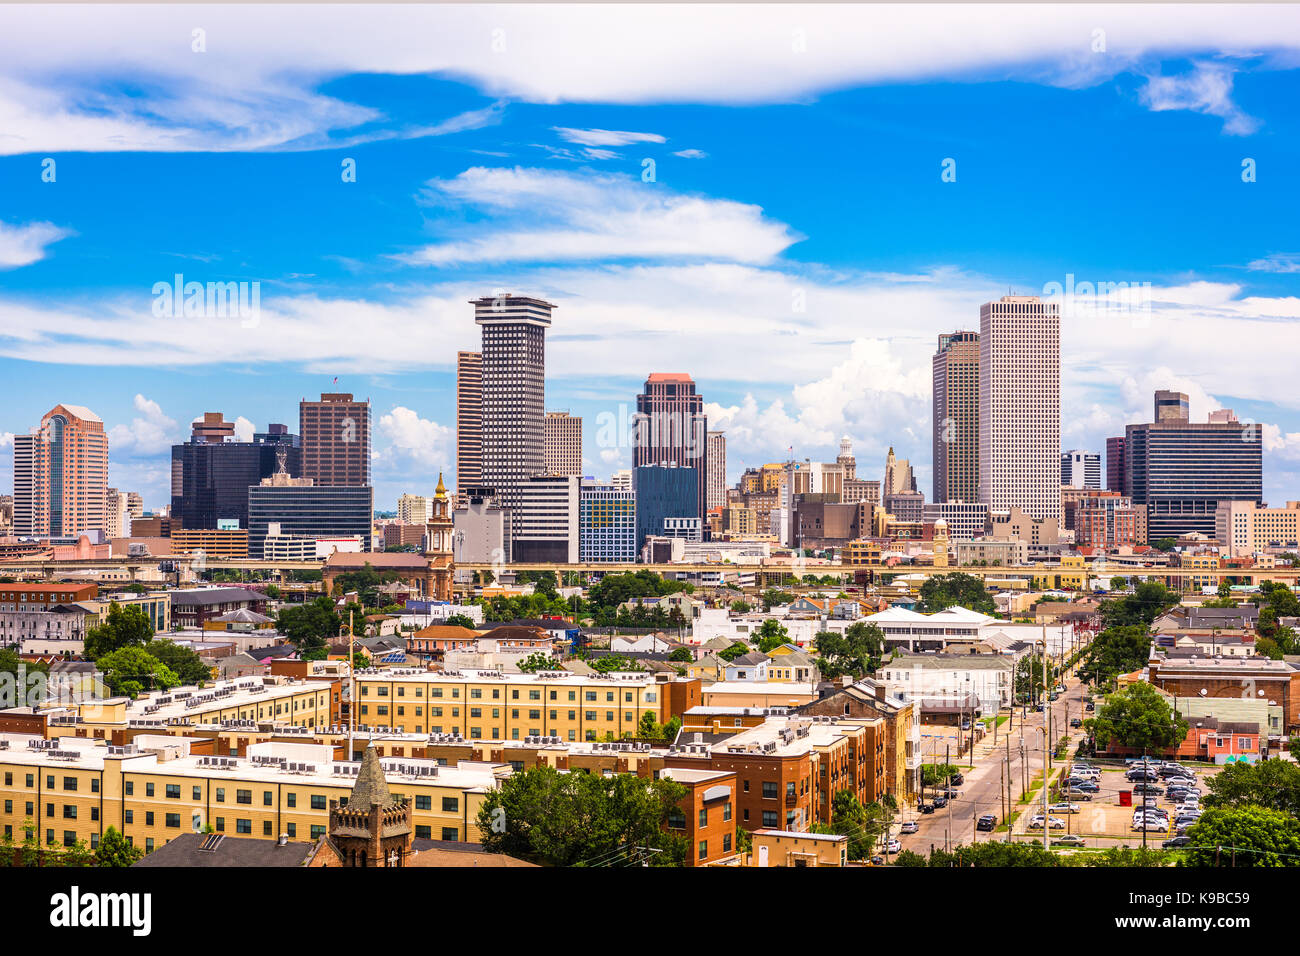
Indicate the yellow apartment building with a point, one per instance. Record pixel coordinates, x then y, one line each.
155 788
491 705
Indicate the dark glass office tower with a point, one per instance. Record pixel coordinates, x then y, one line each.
309 511
1180 470
211 478
667 502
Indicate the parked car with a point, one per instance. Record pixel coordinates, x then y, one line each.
1186 819
987 822
965 725
876 861
1056 823
893 846
1068 839
911 826
925 808
1064 808
950 792
940 801
1078 794
1148 788
1087 786
1076 722
1151 825
1176 842
957 780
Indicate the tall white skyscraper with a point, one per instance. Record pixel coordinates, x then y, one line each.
1020 405
716 487
1080 469
514 391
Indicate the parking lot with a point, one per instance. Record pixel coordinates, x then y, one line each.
1102 817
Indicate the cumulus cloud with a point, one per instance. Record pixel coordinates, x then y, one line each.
25 244
561 216
1283 262
244 429
258 83
150 433
1207 88
412 439
691 154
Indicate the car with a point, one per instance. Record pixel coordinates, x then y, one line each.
1064 808
987 822
965 725
1186 819
940 801
925 808
1056 823
1173 770
1150 789
1140 777
1076 722
876 861
911 826
950 792
1068 839
1078 794
1040 708
1087 786
956 780
893 846
1090 708
1176 842
1150 825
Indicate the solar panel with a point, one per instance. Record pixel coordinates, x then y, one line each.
212 841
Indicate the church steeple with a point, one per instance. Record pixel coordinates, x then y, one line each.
373 829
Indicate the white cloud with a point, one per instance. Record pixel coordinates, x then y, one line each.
691 154
244 429
1206 89
23 245
558 216
150 433
1283 262
258 84
415 439
605 137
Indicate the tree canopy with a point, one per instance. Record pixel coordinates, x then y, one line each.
1274 784
1248 835
183 662
310 626
1148 601
130 670
581 819
1140 717
1117 650
857 652
125 627
943 591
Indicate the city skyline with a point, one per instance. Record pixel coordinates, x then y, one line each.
723 264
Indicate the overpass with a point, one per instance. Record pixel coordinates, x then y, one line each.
765 572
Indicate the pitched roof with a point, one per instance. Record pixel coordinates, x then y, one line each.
371 788
186 850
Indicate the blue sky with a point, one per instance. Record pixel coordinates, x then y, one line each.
796 250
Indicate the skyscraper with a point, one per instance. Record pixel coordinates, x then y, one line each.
1115 465
61 474
848 464
1080 469
335 435
1181 470
716 480
563 444
211 473
1020 405
955 369
672 429
514 391
469 420
899 477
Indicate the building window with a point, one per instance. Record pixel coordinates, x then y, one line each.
704 849
172 820
173 791
243 826
450 804
317 801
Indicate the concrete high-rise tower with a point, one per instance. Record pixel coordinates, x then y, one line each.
845 459
716 480
514 391
61 474
563 444
334 434
469 420
1020 405
956 374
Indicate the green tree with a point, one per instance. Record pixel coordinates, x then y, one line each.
1272 784
183 662
607 663
856 652
773 597
309 627
28 676
575 819
1139 717
681 654
1164 544
938 774
273 592
943 591
1118 583
740 607
125 627
771 635
113 850
1117 650
1248 835
1029 677
1148 601
130 670
460 620
737 649
537 661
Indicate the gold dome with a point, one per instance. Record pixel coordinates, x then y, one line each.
441 490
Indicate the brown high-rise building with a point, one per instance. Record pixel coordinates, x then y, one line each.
212 427
61 474
469 420
956 447
335 438
671 428
563 444
1115 465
